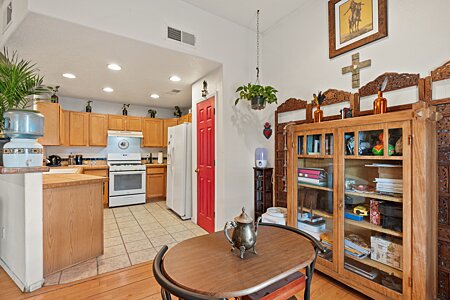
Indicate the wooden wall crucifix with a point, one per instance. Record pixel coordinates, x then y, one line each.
355 69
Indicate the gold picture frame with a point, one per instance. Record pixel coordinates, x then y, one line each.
354 23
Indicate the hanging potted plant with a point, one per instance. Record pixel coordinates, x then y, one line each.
257 94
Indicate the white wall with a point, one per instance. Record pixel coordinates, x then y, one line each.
102 107
20 10
295 51
217 39
21 248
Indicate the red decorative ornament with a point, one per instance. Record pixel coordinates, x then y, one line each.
267 130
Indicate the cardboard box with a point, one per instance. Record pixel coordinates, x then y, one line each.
387 251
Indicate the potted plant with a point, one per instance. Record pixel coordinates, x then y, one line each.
152 113
257 94
19 80
177 112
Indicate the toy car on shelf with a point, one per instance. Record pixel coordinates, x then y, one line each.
361 210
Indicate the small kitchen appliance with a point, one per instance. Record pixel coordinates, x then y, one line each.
79 159
54 161
23 127
261 155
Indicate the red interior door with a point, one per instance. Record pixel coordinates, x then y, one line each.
205 164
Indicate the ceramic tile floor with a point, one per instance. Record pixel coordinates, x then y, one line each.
132 235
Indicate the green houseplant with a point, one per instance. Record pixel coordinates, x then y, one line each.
19 80
257 94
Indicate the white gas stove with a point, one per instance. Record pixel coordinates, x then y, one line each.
127 184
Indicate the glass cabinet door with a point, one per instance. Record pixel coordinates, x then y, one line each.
315 184
374 201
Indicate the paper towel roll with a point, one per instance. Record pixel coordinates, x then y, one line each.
160 157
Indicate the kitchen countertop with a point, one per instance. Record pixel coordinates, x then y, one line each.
62 180
41 169
83 167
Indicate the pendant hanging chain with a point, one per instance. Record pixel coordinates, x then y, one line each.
257 46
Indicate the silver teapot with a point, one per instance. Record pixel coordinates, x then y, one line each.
244 233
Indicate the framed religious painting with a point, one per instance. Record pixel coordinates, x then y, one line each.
355 23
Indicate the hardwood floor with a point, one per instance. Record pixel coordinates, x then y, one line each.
137 282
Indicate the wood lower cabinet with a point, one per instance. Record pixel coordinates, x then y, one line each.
52 125
156 182
116 122
168 123
101 173
153 132
134 123
98 130
371 183
78 129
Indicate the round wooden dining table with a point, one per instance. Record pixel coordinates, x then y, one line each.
206 264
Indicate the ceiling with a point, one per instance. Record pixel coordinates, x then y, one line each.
243 12
59 47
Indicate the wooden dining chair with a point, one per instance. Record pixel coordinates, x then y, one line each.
288 287
168 288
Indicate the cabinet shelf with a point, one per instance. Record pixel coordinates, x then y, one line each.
367 225
319 213
373 157
317 187
314 156
379 266
375 196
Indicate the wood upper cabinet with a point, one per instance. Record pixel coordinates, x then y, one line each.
64 129
52 123
116 122
134 123
153 132
168 123
78 129
98 130
185 119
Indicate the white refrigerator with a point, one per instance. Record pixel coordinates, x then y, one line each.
179 170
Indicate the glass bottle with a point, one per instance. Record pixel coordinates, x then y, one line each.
318 114
380 104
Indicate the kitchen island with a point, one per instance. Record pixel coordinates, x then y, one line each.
72 219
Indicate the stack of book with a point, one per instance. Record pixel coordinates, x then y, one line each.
315 176
388 185
355 246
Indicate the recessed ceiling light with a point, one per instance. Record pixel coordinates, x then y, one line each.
69 75
108 89
154 96
114 67
174 78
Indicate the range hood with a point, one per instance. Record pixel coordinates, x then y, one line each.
134 134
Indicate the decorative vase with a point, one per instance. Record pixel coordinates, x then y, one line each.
54 98
380 104
88 108
124 112
258 102
318 114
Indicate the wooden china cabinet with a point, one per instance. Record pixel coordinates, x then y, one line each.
366 187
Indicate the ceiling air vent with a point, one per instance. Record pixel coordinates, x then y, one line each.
173 92
180 36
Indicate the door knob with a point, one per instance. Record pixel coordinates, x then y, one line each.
197 170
